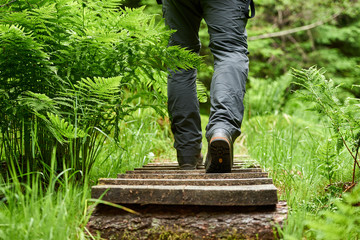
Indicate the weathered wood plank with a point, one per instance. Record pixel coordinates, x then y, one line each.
176 170
193 182
201 167
245 195
191 222
170 164
189 175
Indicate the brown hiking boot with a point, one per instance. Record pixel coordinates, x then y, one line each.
190 162
219 158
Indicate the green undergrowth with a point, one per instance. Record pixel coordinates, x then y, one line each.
57 207
290 147
294 150
143 137
34 210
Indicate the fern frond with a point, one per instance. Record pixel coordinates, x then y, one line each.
344 115
38 102
99 87
201 92
65 128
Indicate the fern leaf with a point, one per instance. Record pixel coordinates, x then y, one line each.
65 128
201 92
38 102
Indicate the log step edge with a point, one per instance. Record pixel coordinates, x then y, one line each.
246 195
189 175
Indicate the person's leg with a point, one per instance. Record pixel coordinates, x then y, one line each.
185 17
226 21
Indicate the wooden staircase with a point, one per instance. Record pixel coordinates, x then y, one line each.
176 204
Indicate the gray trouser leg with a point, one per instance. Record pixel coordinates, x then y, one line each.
228 42
183 104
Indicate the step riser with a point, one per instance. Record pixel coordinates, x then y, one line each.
252 195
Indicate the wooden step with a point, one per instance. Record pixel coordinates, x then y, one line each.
201 167
189 182
240 195
176 170
188 222
195 175
235 162
175 164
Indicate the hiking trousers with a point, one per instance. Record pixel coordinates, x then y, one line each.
226 21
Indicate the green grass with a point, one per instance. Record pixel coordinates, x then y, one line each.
58 210
34 210
289 148
143 137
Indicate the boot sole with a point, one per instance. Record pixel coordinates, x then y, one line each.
221 157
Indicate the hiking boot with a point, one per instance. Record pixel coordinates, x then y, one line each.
190 162
219 158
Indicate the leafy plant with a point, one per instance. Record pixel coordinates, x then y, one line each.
65 66
342 223
344 116
327 158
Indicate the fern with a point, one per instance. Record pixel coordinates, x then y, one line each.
327 155
66 129
101 88
22 59
341 224
201 92
38 102
71 70
344 115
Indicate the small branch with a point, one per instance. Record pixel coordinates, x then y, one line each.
350 187
302 52
355 161
311 39
293 30
349 150
357 150
354 170
8 3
